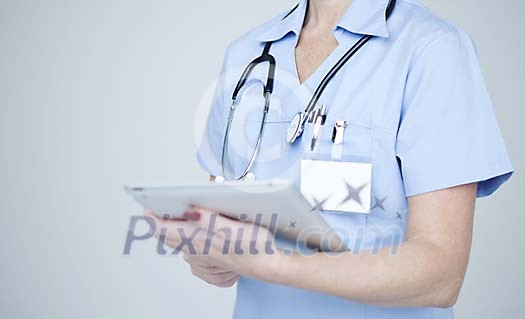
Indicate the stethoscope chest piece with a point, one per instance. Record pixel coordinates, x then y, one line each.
295 129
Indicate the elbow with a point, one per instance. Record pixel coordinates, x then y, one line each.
447 283
447 296
448 300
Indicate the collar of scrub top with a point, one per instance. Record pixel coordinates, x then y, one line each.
365 17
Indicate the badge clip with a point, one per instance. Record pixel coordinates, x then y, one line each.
338 132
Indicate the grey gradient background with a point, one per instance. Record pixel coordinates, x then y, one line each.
96 94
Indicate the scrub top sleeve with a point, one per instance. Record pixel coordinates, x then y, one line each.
448 134
210 150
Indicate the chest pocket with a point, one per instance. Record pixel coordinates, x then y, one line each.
356 145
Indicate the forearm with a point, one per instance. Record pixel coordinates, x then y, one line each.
419 274
427 270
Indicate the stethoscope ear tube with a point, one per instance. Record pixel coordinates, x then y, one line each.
264 57
390 9
271 74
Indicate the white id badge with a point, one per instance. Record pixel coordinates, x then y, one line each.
337 186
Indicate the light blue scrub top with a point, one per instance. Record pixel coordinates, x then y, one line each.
418 110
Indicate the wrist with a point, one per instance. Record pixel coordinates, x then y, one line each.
271 268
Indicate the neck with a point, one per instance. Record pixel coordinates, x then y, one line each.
325 13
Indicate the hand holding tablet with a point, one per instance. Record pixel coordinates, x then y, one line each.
277 205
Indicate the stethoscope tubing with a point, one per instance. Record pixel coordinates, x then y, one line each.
266 57
341 63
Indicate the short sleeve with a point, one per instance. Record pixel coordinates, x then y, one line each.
448 134
210 149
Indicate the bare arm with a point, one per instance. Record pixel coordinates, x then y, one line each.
428 269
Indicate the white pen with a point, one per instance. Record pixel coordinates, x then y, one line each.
319 120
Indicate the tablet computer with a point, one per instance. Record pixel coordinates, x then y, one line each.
277 205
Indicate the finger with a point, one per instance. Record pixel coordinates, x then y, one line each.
153 215
209 278
216 280
196 261
217 271
204 264
213 271
207 267
160 222
169 222
192 215
171 230
231 277
229 283
201 210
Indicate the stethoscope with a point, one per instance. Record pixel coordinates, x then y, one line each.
296 127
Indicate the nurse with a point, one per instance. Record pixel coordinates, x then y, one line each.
412 103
